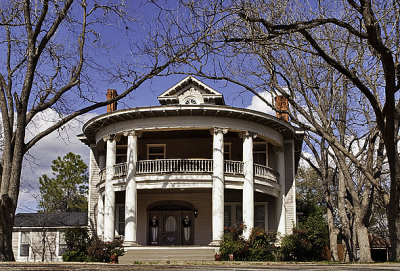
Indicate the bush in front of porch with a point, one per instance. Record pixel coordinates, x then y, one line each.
259 247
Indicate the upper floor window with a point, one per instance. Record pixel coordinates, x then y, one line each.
24 244
155 151
227 151
62 244
260 153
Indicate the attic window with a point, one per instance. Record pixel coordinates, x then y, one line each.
191 100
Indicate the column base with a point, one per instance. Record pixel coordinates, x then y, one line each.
215 243
130 244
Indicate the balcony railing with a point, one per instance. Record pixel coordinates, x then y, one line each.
120 170
265 172
189 166
174 165
233 167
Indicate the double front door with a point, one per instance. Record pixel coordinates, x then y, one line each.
171 228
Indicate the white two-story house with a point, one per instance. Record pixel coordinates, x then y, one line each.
178 173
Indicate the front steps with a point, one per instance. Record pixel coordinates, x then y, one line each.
151 254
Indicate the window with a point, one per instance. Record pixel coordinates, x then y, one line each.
260 153
233 215
121 220
227 216
259 216
227 151
62 245
191 100
24 244
155 151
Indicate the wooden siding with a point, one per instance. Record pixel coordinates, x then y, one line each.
290 203
93 192
36 245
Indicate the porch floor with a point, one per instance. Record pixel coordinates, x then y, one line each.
176 253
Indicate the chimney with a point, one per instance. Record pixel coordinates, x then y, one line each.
111 94
282 106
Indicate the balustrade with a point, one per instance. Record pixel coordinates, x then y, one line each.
265 172
233 167
189 166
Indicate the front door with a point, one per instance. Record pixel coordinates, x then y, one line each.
171 228
171 231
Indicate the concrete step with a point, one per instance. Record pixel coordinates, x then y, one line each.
148 254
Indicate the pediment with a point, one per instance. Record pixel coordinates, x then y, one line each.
191 91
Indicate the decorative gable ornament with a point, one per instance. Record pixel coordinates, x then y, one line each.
191 96
191 91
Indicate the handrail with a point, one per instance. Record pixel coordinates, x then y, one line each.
120 169
189 166
233 167
174 165
266 172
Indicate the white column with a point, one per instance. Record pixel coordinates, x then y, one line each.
248 185
109 205
218 186
100 202
280 201
100 215
130 192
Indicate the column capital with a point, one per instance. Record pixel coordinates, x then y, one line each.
247 134
133 133
109 137
217 130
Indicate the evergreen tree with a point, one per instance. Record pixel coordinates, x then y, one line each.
67 190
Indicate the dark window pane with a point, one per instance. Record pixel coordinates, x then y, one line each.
239 214
227 216
24 250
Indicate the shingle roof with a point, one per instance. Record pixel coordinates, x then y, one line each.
50 219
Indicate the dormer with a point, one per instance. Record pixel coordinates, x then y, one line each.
191 91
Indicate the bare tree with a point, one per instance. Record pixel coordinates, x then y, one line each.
53 52
294 48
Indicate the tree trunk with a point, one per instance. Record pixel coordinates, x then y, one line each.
363 242
333 235
393 215
344 218
6 228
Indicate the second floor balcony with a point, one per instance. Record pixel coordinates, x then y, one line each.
192 166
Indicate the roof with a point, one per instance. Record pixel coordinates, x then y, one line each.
91 127
209 95
64 219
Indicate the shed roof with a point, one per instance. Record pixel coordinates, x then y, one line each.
63 219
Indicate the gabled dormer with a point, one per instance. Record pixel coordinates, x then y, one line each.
191 91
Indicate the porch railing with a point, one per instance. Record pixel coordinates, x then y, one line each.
233 167
265 172
189 166
174 165
120 170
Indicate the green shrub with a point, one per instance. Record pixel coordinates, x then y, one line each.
296 247
99 251
77 241
261 245
74 256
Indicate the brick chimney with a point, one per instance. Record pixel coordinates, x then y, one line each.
111 94
282 104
